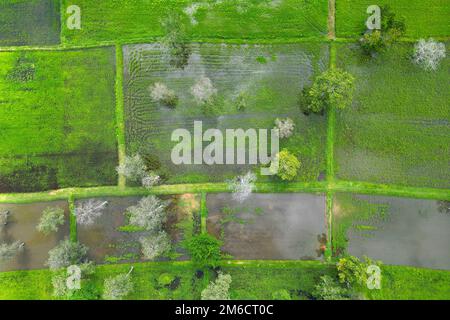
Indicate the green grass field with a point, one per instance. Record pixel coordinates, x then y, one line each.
131 20
251 280
423 18
29 22
396 132
57 120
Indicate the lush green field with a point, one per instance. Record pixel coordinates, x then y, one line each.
250 280
29 22
422 18
131 20
57 120
269 78
397 131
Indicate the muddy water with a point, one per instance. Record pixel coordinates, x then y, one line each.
269 226
21 226
414 233
105 239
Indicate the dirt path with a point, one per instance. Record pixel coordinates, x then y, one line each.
332 19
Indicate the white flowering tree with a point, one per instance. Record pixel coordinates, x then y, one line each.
429 54
51 220
9 251
150 180
163 95
285 127
155 245
90 210
219 289
242 186
65 254
149 213
133 168
118 287
203 90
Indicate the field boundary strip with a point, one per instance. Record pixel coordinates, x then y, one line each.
72 219
120 112
331 19
315 187
100 44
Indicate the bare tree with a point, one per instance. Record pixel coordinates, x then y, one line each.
4 215
89 211
149 213
242 186
428 54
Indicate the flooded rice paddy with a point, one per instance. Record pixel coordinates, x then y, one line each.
269 226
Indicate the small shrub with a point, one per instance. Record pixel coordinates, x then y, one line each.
241 102
329 289
22 72
165 279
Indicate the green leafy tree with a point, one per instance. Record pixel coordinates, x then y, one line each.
392 28
204 250
352 271
389 20
288 165
329 289
219 289
51 220
175 40
372 42
333 88
67 253
118 287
